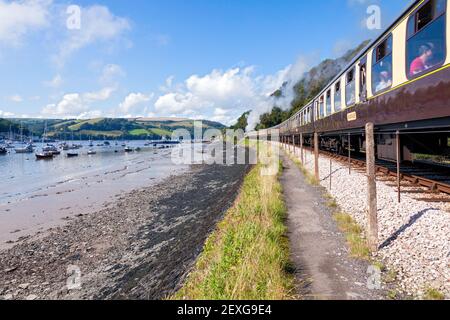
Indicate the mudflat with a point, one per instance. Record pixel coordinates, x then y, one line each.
142 246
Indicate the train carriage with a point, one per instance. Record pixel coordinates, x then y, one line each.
400 82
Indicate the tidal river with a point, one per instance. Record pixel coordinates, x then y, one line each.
38 195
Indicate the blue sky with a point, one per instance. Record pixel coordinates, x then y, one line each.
211 59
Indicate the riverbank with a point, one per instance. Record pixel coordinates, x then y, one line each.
247 257
142 246
37 196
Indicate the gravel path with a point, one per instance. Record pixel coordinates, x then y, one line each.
142 247
414 235
318 248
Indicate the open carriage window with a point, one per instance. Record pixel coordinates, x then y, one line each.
382 66
426 48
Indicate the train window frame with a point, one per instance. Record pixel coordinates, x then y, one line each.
322 106
328 100
376 60
415 32
338 89
351 70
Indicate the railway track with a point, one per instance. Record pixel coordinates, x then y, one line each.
434 178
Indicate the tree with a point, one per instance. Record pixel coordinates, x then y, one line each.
242 122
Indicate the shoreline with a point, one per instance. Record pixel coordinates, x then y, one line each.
53 204
139 247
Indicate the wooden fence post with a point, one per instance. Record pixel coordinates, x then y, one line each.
301 147
316 156
371 189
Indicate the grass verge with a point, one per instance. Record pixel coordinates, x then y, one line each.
247 257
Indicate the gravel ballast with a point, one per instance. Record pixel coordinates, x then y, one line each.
414 235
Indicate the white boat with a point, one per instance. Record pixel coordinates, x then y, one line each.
44 155
27 149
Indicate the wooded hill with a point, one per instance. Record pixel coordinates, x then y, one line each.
107 128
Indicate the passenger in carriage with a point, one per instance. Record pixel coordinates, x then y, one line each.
385 81
422 62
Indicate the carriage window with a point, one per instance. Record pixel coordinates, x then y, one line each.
321 108
316 110
350 88
426 38
337 97
382 66
328 102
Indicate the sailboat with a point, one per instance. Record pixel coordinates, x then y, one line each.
26 149
9 142
72 154
44 155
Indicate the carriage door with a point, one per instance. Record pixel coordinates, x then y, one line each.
363 80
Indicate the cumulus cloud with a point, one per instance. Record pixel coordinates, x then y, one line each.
110 74
133 101
6 114
76 105
229 93
70 106
18 18
97 24
102 95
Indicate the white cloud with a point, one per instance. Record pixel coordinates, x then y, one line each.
70 106
56 82
132 101
97 24
76 105
6 114
110 74
102 95
224 95
16 98
17 18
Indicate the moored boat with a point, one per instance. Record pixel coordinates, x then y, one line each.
27 149
72 154
44 155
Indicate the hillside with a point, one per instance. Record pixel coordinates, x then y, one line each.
107 128
307 87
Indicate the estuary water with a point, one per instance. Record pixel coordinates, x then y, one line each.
37 195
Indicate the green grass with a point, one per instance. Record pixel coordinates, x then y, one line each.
139 132
354 236
156 131
77 126
433 294
161 132
247 257
94 133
